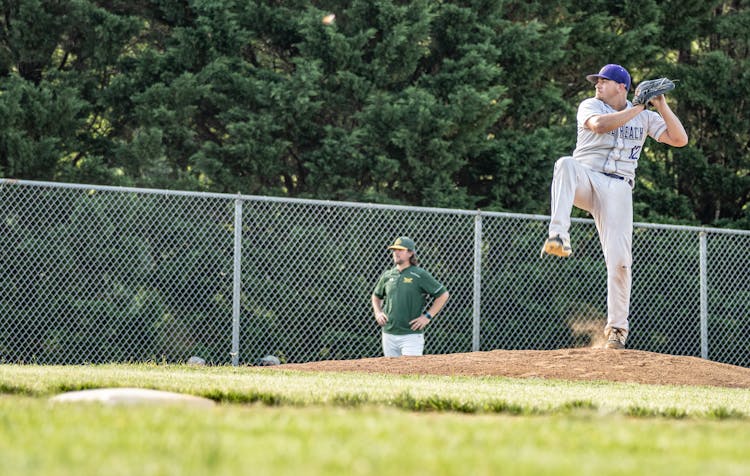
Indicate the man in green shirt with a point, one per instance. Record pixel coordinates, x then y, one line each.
399 301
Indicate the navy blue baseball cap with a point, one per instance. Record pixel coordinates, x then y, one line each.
614 72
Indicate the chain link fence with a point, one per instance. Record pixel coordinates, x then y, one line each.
92 274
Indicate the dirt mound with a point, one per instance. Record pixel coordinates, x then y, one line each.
565 364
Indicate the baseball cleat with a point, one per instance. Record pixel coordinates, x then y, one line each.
616 338
557 246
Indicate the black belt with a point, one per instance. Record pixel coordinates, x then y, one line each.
620 177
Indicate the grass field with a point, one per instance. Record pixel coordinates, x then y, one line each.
272 422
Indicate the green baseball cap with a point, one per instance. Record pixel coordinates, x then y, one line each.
403 243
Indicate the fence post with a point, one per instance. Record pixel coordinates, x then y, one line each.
477 281
704 295
236 282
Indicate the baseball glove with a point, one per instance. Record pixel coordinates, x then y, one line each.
651 88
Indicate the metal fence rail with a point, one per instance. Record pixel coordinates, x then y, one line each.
105 274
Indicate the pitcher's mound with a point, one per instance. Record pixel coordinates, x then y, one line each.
564 364
131 396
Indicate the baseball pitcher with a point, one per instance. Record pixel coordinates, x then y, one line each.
600 175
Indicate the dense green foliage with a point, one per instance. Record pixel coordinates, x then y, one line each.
92 276
451 104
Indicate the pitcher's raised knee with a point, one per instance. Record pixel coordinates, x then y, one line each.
568 163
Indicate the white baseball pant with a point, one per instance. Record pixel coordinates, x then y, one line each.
610 202
408 344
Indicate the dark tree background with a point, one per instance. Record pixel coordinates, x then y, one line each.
460 104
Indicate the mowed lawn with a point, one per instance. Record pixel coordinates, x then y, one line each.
272 422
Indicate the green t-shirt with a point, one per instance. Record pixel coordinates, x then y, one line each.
404 296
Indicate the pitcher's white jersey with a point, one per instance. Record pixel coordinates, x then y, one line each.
616 152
